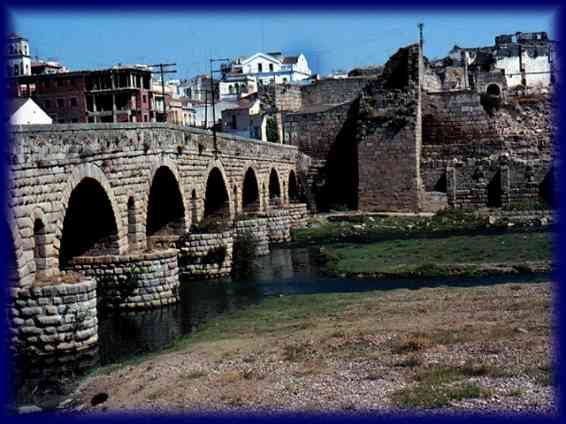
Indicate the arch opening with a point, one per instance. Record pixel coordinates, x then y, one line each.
441 184
39 246
546 190
274 189
89 227
250 192
493 90
494 192
216 198
165 210
293 188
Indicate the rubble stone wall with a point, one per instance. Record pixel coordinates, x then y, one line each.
508 153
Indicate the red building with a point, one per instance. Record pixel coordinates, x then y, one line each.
109 95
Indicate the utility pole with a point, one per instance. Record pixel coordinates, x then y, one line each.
163 70
205 108
213 60
421 56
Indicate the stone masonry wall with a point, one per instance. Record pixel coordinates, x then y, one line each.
257 228
278 226
298 215
206 255
333 91
48 162
54 322
484 159
388 173
314 131
137 281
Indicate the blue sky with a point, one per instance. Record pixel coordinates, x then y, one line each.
85 40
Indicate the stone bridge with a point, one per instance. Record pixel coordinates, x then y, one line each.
117 189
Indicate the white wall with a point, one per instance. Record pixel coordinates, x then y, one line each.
30 113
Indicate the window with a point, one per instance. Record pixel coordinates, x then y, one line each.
259 67
145 118
61 121
60 103
271 67
16 70
72 81
60 82
144 98
231 89
48 104
74 120
73 102
234 123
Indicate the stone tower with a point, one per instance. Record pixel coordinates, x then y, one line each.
19 59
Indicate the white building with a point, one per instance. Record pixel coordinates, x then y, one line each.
18 56
261 69
24 111
244 118
197 88
526 59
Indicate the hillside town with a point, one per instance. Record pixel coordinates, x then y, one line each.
242 105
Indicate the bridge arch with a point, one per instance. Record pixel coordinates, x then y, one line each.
293 188
90 226
250 191
95 193
171 167
217 200
274 188
165 210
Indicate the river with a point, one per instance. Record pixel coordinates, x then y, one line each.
285 271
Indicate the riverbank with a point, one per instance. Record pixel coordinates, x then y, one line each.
446 244
479 348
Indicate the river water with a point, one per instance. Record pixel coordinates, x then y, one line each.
285 271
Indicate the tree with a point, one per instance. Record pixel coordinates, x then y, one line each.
271 130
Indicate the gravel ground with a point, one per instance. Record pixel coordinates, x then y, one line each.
355 361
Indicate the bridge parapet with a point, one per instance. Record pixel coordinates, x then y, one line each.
40 144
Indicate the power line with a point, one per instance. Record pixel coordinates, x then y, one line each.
163 70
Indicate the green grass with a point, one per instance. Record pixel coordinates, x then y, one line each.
273 316
430 257
424 396
367 229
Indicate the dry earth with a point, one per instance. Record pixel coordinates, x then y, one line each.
448 349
